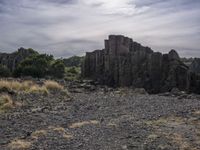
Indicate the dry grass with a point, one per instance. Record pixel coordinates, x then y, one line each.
38 134
152 137
197 112
26 85
67 136
170 128
31 87
6 102
53 85
59 129
166 121
16 85
181 141
80 124
110 124
38 89
11 85
19 145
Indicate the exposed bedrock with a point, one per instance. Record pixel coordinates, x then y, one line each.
124 62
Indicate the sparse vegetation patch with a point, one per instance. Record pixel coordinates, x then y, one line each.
53 85
19 145
30 86
6 102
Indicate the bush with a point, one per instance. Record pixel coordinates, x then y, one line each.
58 69
39 66
35 66
72 70
74 61
4 71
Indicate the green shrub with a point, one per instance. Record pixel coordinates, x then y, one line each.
58 69
35 66
74 61
72 70
4 71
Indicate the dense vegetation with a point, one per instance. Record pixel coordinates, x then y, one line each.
73 67
74 61
40 65
4 71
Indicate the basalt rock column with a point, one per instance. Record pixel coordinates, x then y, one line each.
124 62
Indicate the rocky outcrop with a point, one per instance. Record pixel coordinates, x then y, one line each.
124 62
12 60
195 66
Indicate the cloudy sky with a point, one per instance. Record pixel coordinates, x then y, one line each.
72 27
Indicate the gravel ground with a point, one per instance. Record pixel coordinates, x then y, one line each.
99 120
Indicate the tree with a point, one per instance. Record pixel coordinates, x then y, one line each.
74 61
35 66
4 71
58 69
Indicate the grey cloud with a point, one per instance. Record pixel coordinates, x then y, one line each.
67 27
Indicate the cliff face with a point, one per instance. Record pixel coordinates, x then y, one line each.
195 66
13 59
124 62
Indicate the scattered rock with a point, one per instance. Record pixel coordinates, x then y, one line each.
176 91
140 91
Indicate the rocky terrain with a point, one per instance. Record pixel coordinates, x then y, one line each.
102 118
118 108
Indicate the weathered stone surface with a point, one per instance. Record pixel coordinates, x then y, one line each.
13 59
124 62
195 66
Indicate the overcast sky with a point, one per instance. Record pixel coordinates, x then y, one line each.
72 27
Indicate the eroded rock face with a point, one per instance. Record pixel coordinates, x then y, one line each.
195 66
13 59
124 62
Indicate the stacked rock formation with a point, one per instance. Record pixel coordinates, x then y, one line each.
12 60
124 62
195 66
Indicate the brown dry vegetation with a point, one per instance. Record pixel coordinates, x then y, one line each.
19 145
6 102
80 124
38 133
53 85
170 128
30 86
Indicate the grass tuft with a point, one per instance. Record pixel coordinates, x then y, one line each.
19 145
31 87
6 102
38 89
53 85
81 124
38 134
